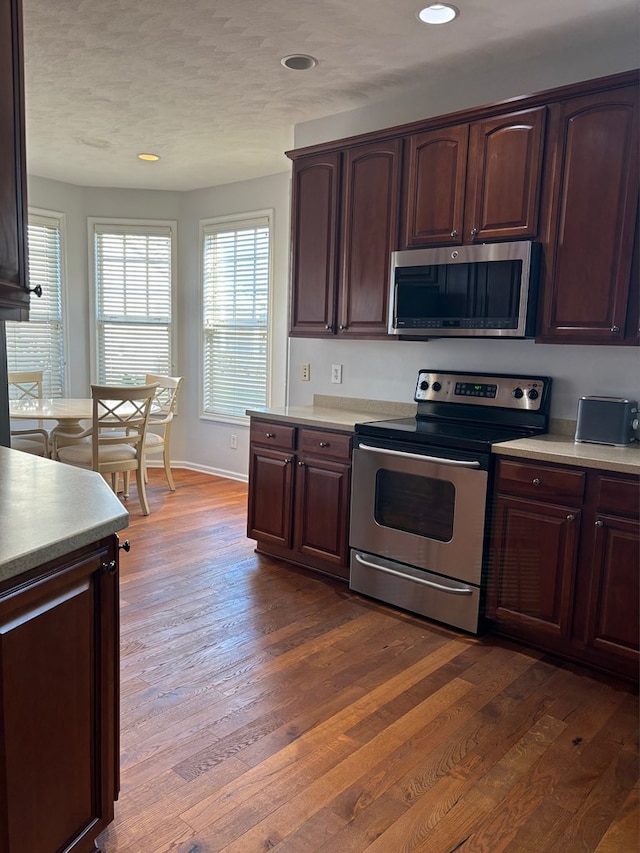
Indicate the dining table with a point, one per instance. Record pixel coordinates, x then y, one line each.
67 412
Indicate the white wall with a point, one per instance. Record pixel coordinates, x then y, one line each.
387 370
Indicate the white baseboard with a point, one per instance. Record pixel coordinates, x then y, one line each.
202 469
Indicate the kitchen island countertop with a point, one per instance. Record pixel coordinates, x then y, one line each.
49 509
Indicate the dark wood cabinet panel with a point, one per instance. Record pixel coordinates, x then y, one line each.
369 235
566 578
434 187
59 703
298 506
535 547
505 176
594 196
615 591
474 182
14 288
270 496
322 510
314 227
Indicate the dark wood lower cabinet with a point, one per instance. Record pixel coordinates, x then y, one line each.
565 563
59 690
299 492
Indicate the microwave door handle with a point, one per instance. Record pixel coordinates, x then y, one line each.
450 589
460 463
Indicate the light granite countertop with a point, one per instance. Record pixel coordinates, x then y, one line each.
49 509
562 449
343 413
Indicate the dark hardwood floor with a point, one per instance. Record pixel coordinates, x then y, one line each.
266 708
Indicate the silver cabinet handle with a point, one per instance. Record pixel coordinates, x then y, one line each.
418 456
571 517
287 461
599 523
342 327
300 464
451 590
324 444
474 231
270 434
329 328
615 329
537 481
454 233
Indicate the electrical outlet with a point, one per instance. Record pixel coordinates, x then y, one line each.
336 373
305 372
234 442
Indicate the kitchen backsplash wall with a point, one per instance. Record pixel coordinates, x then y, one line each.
387 370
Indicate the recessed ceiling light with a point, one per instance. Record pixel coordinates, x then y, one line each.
148 157
299 62
438 13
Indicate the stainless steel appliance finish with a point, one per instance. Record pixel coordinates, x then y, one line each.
487 290
419 491
607 420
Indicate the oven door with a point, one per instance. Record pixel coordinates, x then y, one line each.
421 507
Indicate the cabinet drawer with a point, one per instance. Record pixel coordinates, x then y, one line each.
315 442
618 496
558 485
272 435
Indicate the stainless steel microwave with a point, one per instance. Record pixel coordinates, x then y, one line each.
487 290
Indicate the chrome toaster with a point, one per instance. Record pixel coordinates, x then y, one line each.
607 420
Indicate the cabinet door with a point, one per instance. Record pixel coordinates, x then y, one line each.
434 187
534 550
322 511
614 612
14 294
270 496
59 699
369 235
314 231
504 176
594 196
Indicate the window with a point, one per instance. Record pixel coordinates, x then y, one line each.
39 344
133 268
236 285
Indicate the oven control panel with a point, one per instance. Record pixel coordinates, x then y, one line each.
508 391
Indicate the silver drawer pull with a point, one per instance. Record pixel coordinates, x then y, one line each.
452 590
324 444
571 517
537 481
270 434
599 523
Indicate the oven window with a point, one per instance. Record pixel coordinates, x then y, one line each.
415 504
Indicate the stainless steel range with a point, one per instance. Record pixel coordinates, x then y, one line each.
419 494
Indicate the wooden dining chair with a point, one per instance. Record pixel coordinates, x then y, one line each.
24 385
115 442
162 414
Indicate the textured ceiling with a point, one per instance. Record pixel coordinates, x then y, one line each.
200 83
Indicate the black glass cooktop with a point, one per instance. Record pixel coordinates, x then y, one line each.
462 435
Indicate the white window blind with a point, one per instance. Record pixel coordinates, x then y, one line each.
133 279
39 343
236 279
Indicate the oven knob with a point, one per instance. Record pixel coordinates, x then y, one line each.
517 393
424 385
533 394
436 386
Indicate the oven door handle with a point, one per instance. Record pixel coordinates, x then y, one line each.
450 589
460 463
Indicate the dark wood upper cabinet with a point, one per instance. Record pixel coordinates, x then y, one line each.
434 186
368 236
314 229
14 288
474 182
594 196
